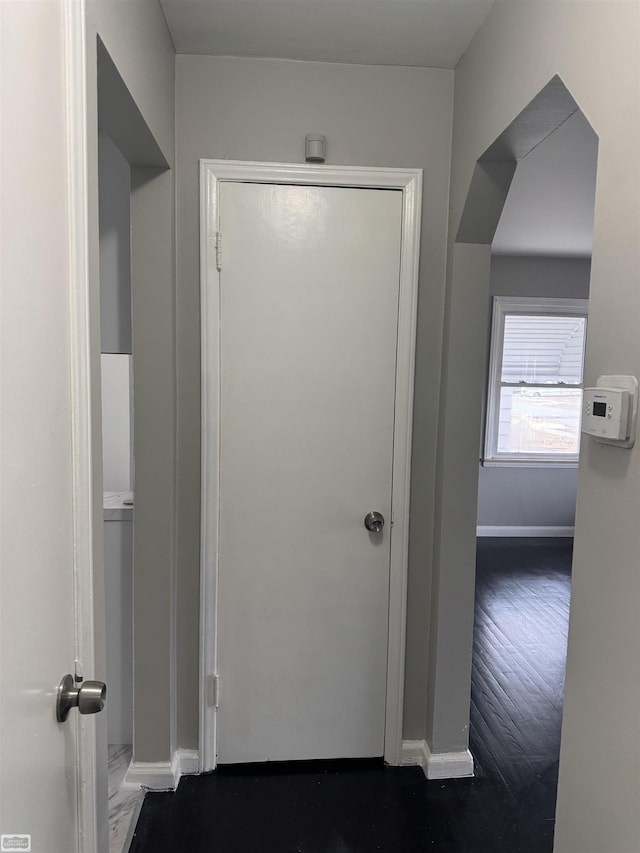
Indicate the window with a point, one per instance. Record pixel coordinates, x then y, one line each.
535 380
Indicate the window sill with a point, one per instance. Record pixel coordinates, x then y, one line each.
528 463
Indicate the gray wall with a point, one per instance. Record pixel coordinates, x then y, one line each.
152 216
137 40
372 116
520 47
512 496
118 582
135 34
526 497
114 177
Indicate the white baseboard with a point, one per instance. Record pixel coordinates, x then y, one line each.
154 775
489 530
440 765
164 775
450 765
188 761
415 752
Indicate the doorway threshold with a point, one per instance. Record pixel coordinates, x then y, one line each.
125 800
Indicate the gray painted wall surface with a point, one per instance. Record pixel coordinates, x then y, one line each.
527 497
135 34
114 176
452 596
532 497
152 204
118 569
520 275
372 116
137 39
549 210
518 50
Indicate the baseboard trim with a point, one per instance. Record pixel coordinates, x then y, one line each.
489 530
164 775
153 775
450 765
415 752
439 765
188 762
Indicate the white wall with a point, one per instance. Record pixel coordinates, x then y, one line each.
511 496
372 116
116 422
595 49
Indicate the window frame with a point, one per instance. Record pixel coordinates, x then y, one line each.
522 306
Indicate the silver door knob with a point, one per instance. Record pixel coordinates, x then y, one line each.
88 697
374 521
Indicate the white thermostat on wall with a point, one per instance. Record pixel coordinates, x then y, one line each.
610 409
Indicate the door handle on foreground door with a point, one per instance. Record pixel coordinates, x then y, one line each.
374 521
89 697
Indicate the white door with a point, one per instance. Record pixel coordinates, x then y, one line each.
309 288
39 791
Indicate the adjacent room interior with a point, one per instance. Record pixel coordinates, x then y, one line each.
539 290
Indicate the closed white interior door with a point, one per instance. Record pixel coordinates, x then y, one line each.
308 322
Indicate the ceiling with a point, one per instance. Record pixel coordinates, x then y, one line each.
549 208
428 33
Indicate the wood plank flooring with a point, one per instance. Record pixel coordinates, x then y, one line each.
523 589
358 807
125 801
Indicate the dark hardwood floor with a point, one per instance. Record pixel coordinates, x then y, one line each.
522 607
523 589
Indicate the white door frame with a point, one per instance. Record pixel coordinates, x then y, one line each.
90 812
409 181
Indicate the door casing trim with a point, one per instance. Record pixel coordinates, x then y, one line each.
89 810
409 181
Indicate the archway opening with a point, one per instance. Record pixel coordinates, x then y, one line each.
530 206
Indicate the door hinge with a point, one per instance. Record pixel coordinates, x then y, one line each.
214 691
218 250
